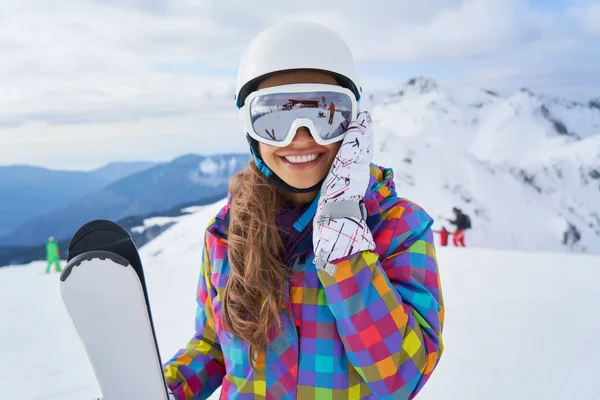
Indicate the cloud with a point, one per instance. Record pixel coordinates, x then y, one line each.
466 29
149 67
77 146
589 15
560 60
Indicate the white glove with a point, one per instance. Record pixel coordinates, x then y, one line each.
339 226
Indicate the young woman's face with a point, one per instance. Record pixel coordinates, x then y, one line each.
283 161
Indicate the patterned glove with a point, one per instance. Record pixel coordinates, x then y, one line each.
339 226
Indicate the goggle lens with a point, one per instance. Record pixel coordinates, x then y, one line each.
272 115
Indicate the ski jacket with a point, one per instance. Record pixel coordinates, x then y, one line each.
461 222
443 236
371 331
52 253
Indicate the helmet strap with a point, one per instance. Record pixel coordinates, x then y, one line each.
272 178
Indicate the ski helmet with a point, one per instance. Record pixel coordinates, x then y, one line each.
293 46
288 47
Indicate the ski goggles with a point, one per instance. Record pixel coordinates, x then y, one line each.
273 115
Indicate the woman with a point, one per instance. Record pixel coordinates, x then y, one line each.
318 281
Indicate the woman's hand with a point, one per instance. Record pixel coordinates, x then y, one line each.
339 226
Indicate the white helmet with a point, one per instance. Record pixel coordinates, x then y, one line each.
291 46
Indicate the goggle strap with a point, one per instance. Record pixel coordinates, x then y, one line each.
259 163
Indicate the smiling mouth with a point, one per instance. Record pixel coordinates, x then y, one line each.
302 159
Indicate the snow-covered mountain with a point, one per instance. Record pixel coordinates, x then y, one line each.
525 166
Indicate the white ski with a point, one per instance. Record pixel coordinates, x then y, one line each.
106 299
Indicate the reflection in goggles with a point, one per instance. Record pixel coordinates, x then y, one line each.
273 114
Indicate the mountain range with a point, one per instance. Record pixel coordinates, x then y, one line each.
186 179
525 166
29 191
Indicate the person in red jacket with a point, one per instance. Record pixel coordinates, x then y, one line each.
444 233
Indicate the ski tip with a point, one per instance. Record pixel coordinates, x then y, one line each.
98 234
107 236
97 225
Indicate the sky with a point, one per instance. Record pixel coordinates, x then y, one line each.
87 82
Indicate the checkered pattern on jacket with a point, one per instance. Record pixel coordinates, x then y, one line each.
371 331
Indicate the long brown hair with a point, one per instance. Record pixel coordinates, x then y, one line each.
254 294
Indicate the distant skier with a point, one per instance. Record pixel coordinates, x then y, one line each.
462 222
444 233
571 236
331 112
52 255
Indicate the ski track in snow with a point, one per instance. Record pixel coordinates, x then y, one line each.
519 325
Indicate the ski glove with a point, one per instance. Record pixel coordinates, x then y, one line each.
339 227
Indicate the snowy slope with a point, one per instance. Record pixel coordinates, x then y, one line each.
503 335
149 223
526 167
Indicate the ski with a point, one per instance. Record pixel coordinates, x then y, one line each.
104 290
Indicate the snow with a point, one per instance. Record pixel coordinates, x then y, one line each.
154 221
503 335
444 179
208 166
213 171
191 209
233 163
511 131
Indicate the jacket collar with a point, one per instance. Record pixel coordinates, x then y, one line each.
381 186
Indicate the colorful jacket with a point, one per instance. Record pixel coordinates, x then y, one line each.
372 331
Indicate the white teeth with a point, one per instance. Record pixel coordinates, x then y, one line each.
301 159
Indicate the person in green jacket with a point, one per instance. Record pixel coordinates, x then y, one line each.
52 255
